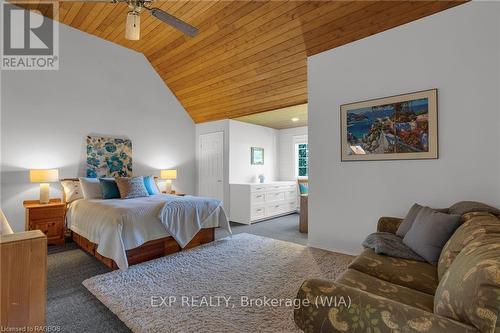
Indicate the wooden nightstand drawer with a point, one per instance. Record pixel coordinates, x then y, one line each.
51 228
46 213
48 218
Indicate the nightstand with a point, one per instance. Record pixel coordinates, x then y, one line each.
48 218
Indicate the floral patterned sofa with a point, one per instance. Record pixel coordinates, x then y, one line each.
380 293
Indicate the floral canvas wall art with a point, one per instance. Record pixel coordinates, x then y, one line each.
397 127
108 157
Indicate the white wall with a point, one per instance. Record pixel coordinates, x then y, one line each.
243 136
287 138
100 88
456 51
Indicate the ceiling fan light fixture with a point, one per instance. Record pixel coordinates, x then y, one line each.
133 26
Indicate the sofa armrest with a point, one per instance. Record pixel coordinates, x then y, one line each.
334 307
388 224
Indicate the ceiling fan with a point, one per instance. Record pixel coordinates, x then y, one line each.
133 23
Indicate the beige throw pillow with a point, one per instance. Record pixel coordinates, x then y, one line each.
132 187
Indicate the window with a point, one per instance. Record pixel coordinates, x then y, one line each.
302 159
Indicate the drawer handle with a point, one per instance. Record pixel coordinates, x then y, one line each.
277 206
259 196
259 210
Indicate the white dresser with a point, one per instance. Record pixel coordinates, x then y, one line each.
252 202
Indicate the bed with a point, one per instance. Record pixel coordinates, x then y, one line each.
123 232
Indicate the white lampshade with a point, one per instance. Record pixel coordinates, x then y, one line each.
44 175
168 174
5 228
133 26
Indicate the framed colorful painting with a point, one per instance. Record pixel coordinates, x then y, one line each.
401 127
108 157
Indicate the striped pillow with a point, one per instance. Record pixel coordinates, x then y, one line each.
131 187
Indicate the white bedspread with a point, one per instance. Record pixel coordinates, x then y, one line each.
117 225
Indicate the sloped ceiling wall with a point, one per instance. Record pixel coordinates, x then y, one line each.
250 56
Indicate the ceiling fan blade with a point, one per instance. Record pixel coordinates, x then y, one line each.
174 21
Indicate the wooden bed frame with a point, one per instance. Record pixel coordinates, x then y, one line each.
150 250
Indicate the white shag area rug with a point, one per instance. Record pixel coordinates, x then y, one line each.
209 288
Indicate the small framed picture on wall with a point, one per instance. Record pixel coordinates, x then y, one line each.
401 127
257 156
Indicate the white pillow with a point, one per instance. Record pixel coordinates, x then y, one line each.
72 190
91 188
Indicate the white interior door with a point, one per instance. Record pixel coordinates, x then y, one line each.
211 166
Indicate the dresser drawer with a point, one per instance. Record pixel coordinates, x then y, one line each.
291 194
258 212
291 205
276 209
52 228
259 188
275 196
258 198
46 212
275 187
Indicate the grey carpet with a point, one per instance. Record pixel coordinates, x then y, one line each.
74 309
285 228
70 305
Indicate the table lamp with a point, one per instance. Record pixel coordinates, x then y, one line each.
168 175
44 176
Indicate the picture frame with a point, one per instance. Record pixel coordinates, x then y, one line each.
400 127
257 156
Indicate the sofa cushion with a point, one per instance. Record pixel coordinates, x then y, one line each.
430 232
371 284
469 291
475 225
464 207
413 274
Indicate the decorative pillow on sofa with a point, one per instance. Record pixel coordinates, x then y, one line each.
132 187
109 188
410 218
429 232
151 185
469 291
91 188
390 244
72 190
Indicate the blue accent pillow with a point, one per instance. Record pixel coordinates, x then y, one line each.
109 188
150 184
304 188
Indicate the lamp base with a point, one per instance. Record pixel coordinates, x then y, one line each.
168 186
44 193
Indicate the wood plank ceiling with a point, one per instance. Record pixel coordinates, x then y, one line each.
250 56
